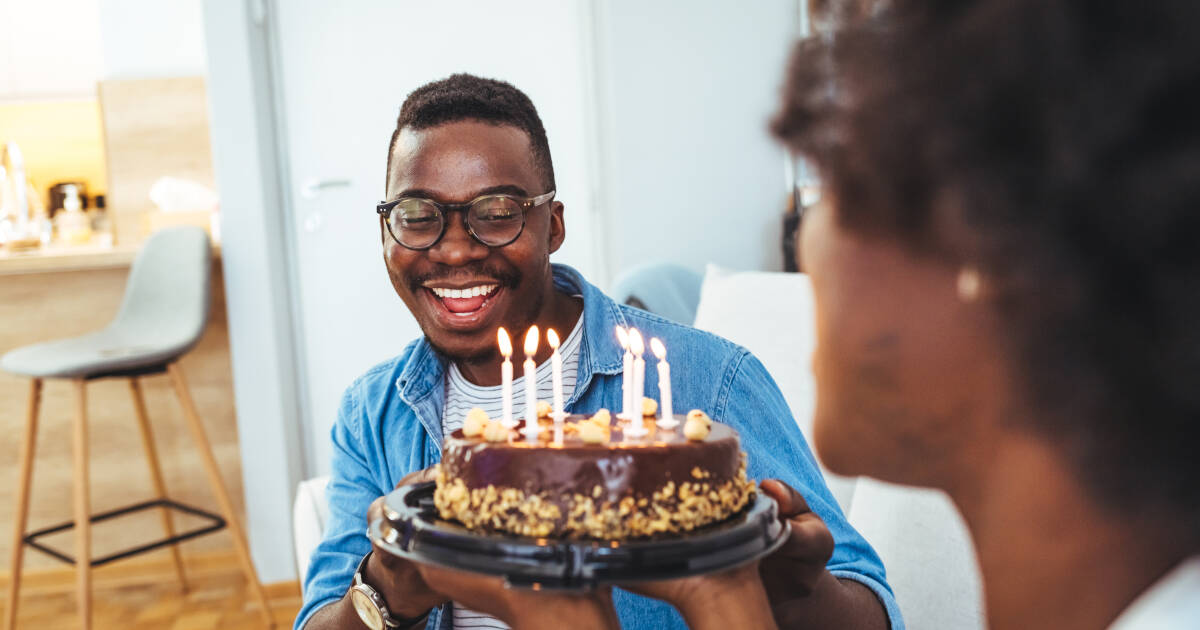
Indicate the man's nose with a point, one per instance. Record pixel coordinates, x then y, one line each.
457 246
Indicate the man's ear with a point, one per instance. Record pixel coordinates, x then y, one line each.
558 228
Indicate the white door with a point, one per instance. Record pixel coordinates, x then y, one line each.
344 69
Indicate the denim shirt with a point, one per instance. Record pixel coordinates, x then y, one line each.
390 424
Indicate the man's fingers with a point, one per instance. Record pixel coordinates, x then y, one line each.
375 511
791 503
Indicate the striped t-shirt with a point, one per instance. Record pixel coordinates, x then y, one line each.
462 395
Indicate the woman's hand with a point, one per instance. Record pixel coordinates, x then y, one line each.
740 597
730 599
796 568
522 608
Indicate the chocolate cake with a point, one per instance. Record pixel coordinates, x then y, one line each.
592 480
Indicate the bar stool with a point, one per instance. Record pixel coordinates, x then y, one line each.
163 313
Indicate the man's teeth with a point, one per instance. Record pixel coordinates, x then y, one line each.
469 292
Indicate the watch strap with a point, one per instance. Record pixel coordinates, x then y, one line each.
390 619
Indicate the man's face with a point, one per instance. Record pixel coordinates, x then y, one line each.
480 287
906 374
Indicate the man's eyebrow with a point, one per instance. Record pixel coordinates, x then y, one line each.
503 189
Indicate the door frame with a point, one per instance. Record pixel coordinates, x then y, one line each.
260 293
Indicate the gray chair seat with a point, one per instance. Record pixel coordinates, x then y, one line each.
163 313
103 352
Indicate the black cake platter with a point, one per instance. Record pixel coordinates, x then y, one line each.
411 528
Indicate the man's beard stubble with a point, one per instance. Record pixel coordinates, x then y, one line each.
507 279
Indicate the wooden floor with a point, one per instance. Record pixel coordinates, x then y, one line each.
144 594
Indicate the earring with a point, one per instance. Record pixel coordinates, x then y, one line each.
969 284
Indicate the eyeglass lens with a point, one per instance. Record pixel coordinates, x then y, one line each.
495 221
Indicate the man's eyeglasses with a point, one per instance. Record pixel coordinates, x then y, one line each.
494 220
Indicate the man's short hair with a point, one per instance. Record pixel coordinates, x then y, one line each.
1055 146
468 97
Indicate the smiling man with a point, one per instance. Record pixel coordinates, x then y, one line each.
467 233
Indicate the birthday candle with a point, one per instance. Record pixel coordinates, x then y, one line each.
626 374
556 375
506 377
637 346
531 345
668 420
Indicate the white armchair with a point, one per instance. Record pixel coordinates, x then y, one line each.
309 515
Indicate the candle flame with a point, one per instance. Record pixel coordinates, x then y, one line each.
635 342
658 349
531 341
505 342
622 338
552 338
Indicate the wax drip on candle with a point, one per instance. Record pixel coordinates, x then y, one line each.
667 421
506 377
531 346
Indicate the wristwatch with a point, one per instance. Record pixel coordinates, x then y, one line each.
370 605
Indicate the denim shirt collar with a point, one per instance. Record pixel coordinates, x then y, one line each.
421 381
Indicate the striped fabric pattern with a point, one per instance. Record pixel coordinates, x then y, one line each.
462 395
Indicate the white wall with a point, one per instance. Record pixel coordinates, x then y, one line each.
152 38
690 173
49 49
53 49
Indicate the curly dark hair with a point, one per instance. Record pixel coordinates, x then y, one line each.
1055 146
468 97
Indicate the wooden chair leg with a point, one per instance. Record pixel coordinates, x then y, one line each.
28 445
156 476
83 525
218 486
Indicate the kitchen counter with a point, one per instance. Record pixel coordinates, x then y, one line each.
71 258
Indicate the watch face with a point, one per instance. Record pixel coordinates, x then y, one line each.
366 609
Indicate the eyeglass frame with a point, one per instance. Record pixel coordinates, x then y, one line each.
384 210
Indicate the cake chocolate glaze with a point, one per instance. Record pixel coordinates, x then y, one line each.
628 487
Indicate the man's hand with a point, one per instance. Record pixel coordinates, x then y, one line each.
794 569
398 580
524 608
